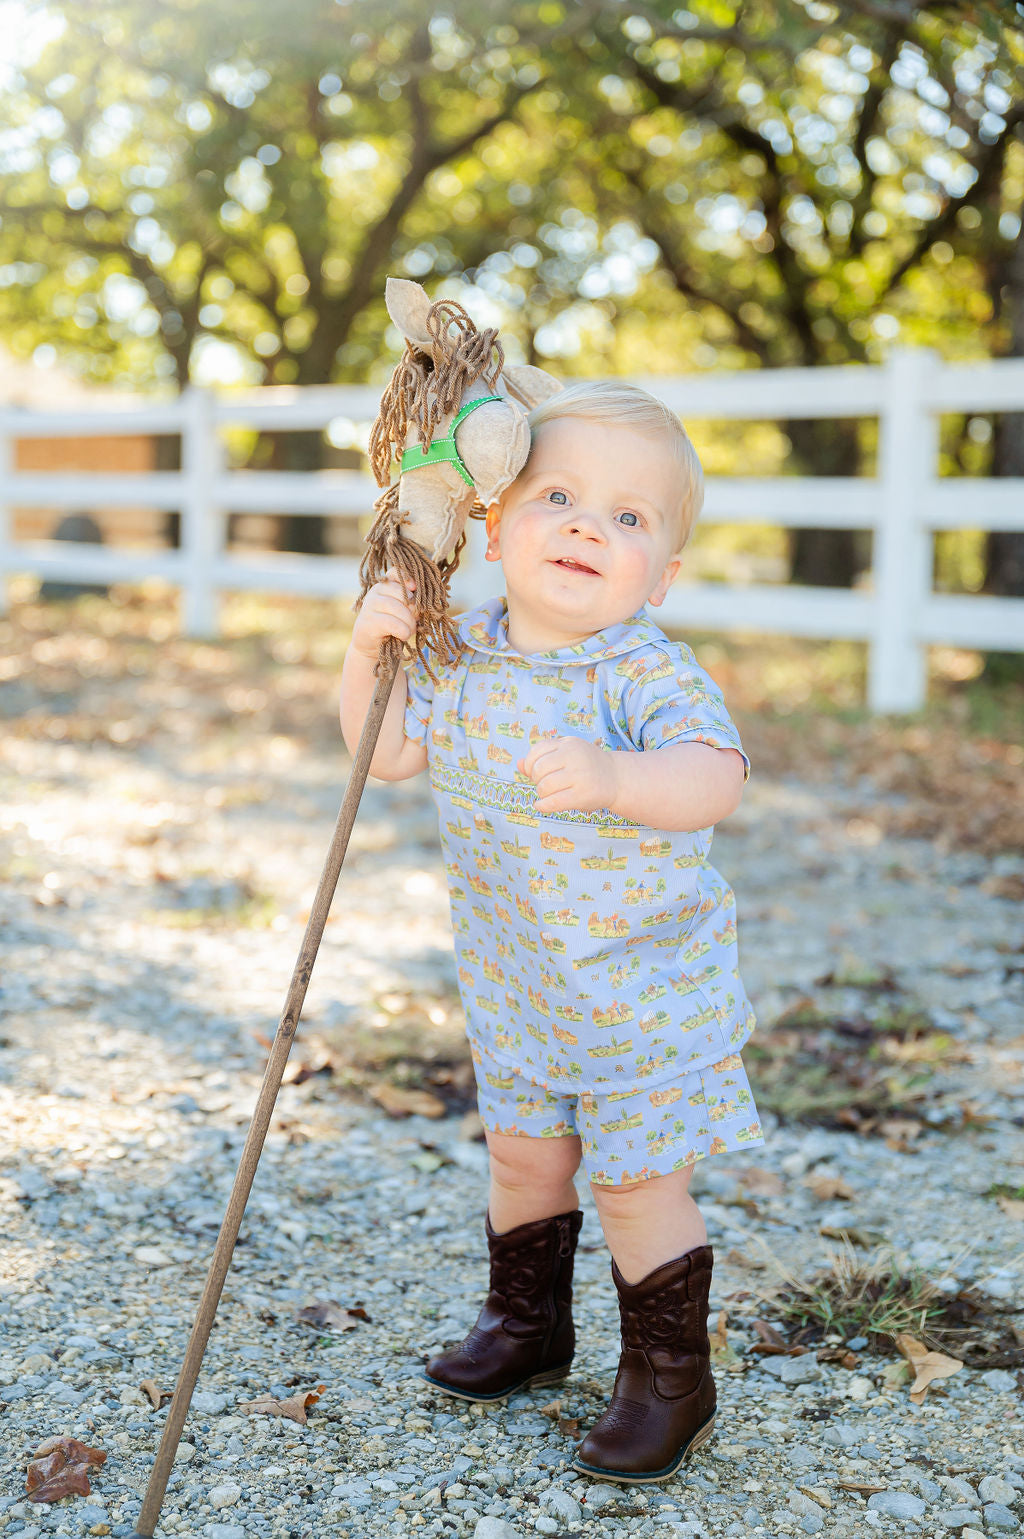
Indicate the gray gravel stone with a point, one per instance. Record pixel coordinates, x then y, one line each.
896 1504
599 1497
801 1456
958 1517
997 1515
807 1510
800 1370
495 1528
562 1505
995 1488
225 1495
128 1047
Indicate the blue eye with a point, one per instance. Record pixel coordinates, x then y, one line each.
562 495
629 519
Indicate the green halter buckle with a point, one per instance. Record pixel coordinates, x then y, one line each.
442 449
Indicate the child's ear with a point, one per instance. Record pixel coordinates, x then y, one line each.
491 523
665 581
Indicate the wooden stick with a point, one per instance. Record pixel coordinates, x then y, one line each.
390 657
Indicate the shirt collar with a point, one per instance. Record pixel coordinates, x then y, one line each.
485 629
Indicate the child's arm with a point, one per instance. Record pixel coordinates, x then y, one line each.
680 788
384 612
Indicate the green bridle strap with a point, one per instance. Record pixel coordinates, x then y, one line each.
442 449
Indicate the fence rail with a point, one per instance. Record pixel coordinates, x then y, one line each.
898 615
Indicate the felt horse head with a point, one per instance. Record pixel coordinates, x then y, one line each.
453 417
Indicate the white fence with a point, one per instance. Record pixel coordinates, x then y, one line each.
898 615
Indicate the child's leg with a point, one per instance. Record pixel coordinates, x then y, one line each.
531 1178
663 1402
524 1334
647 1223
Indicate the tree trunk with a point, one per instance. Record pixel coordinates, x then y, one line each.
826 558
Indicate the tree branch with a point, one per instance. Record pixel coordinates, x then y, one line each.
989 169
871 107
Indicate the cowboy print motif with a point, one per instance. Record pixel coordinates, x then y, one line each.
628 1136
594 954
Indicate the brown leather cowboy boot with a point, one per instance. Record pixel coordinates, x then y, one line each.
524 1333
663 1403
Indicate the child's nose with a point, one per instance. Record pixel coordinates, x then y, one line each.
585 522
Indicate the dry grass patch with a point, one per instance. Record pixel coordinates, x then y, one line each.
858 1071
881 1297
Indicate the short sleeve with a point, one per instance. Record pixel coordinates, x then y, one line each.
419 702
676 701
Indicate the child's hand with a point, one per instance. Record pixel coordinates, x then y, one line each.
385 611
571 775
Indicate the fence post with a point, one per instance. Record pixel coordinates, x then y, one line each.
907 463
202 524
6 514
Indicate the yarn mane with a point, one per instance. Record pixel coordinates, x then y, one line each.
424 389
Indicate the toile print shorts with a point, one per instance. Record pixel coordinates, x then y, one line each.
629 1135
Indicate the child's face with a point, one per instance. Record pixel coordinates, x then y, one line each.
587 533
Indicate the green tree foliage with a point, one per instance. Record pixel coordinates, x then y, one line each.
180 171
641 186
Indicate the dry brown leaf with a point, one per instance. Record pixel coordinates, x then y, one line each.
1010 886
896 1376
1012 1207
722 1354
552 1409
841 1355
60 1467
292 1409
927 1365
771 1343
157 1396
328 1312
867 1239
826 1188
760 1183
741 1259
406 1103
569 1426
297 1071
900 1132
859 1485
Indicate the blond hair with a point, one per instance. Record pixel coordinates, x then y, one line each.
615 401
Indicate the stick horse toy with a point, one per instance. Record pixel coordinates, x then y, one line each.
455 414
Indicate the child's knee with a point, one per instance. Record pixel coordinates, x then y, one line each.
635 1196
522 1161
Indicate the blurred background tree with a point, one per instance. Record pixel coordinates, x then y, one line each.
190 191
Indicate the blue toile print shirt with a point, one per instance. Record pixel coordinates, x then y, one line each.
593 953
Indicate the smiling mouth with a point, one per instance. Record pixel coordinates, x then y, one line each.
575 566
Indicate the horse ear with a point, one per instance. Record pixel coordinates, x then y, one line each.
408 304
530 385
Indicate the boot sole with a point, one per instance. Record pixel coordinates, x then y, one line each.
650 1477
549 1376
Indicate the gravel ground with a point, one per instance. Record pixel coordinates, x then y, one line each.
151 911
